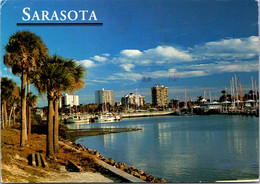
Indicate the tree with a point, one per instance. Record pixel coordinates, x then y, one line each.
56 74
9 96
76 75
31 102
23 51
7 87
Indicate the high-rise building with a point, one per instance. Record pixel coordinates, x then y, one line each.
160 96
105 96
133 99
69 100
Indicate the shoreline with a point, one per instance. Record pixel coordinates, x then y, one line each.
93 166
78 133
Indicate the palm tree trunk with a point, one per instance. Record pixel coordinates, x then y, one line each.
5 114
49 149
23 115
10 115
14 116
29 120
2 111
56 126
29 114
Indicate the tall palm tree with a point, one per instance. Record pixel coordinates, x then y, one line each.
76 77
54 75
23 51
31 102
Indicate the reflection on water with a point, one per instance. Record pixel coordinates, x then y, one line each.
185 149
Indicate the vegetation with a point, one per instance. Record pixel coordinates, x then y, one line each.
27 55
56 74
31 102
23 51
9 98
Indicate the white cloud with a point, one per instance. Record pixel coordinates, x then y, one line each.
106 55
169 52
195 73
99 58
216 57
87 63
126 76
145 62
239 67
131 53
229 49
99 81
127 67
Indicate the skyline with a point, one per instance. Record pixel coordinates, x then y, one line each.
188 44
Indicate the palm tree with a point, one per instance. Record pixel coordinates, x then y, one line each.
76 78
31 102
7 87
14 100
54 75
9 97
23 51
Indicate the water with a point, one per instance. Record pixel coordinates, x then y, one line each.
184 148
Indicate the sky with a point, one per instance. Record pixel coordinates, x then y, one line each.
191 45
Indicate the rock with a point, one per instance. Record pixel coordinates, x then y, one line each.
132 168
117 165
143 178
73 167
111 161
141 171
136 174
163 180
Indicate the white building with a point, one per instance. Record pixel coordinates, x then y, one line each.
69 100
133 99
105 96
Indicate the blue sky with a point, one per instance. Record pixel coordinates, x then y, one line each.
182 44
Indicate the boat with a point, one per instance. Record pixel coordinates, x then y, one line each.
79 119
106 117
118 117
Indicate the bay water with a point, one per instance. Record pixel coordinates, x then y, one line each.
184 148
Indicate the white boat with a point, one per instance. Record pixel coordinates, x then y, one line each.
106 117
118 117
78 119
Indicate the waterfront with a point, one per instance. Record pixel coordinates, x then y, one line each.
184 148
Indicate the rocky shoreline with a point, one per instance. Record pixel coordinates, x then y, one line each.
120 165
17 168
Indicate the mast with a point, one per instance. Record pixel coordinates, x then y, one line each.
233 92
236 90
256 95
252 87
184 101
189 101
205 94
240 92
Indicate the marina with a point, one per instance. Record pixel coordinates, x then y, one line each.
195 148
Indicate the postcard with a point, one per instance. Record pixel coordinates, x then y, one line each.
130 91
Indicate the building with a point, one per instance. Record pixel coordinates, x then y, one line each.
39 112
133 100
69 100
105 96
160 96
